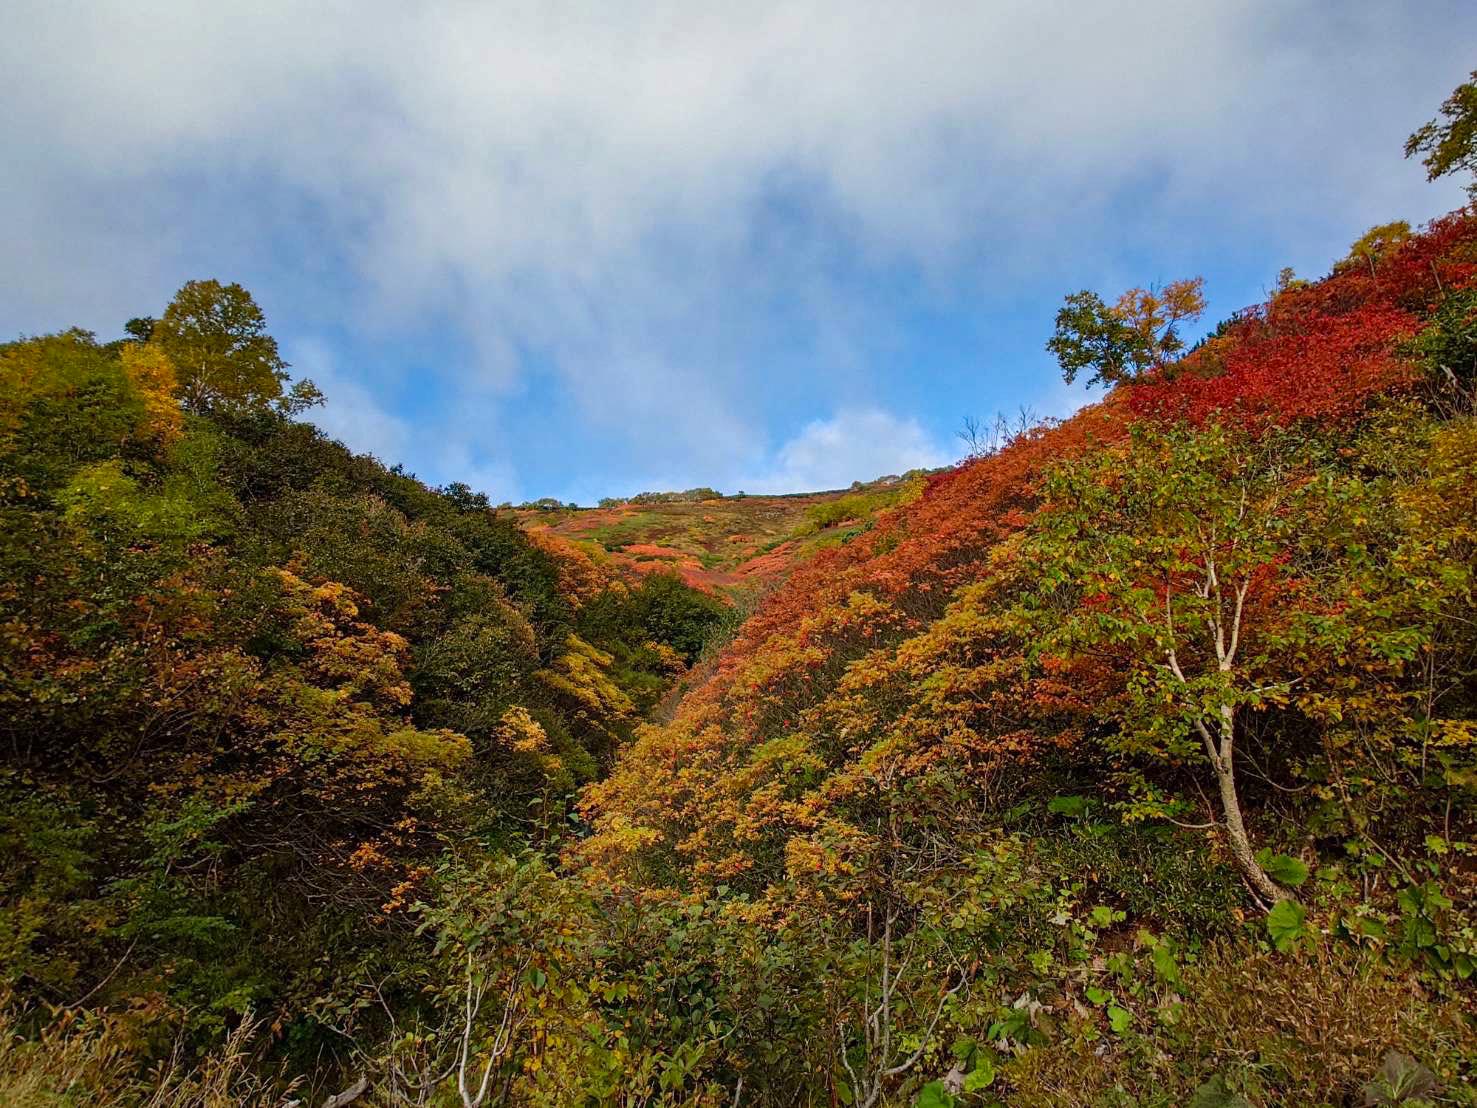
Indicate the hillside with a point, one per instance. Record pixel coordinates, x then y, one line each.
730 545
962 726
254 685
1133 762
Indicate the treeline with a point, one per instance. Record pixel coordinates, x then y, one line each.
687 496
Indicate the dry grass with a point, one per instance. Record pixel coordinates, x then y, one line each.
1281 1030
80 1058
75 1060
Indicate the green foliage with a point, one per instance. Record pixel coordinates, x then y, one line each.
660 608
1401 1080
1449 142
1070 806
64 403
217 338
855 506
256 682
1282 869
1120 343
1448 345
687 496
1287 925
290 737
1215 1094
1089 336
935 1095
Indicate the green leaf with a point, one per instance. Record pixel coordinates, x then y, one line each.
1071 806
1401 1080
1281 868
1214 1094
1371 928
980 1077
1098 996
1165 964
1285 923
934 1095
1119 1019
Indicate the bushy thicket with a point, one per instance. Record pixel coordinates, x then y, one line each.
253 685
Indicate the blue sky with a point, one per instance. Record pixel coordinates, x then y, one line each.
580 250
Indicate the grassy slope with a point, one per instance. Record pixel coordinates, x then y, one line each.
733 545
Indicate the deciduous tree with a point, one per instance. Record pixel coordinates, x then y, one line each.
1450 146
1169 557
217 338
1138 333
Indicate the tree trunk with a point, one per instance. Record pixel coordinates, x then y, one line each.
1222 760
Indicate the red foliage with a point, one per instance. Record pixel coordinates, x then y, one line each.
1327 368
1318 352
1323 351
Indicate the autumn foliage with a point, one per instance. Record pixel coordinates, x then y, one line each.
913 654
1106 767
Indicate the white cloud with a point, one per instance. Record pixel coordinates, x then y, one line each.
352 415
640 201
855 444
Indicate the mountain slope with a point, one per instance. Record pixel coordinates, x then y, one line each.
1211 632
732 545
1134 763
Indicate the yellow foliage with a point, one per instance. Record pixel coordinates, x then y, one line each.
1150 311
152 376
582 675
358 657
439 749
671 661
521 732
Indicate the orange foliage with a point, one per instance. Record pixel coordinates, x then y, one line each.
581 579
892 658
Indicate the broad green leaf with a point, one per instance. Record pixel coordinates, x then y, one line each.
1071 806
1165 964
1214 1094
1103 916
980 1077
934 1095
1283 869
1285 923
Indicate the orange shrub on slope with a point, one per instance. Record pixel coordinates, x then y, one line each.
892 659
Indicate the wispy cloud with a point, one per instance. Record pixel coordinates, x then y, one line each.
680 223
355 416
856 444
